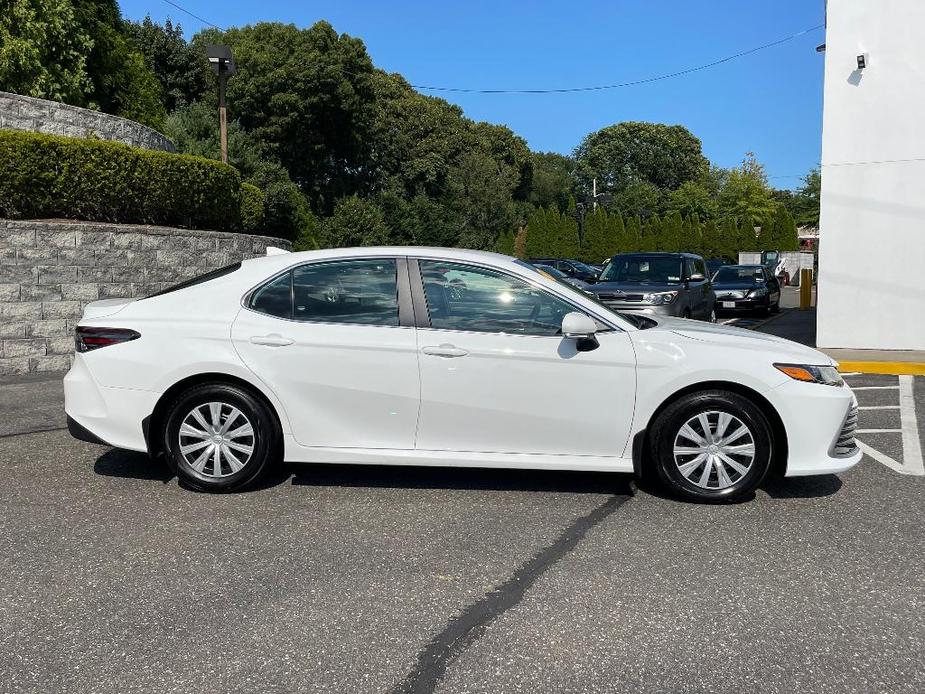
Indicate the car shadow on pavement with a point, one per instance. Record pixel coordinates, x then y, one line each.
138 466
412 477
116 462
812 487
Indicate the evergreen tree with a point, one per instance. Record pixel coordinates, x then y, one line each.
729 239
618 238
596 242
505 243
537 235
672 229
696 235
712 243
747 241
785 230
564 234
634 235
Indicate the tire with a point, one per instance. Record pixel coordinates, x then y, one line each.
248 430
775 308
686 313
685 474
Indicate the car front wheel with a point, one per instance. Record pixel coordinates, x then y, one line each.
711 446
220 437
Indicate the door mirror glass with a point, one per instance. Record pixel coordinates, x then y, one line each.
578 325
697 277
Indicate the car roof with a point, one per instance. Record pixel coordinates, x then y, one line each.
462 254
667 254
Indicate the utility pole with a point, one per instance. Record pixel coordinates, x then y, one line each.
594 192
222 64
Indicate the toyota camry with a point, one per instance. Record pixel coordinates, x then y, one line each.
414 356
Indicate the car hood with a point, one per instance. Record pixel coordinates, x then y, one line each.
719 286
729 336
634 287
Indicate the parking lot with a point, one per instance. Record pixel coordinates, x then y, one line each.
356 579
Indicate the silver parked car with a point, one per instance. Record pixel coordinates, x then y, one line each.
666 284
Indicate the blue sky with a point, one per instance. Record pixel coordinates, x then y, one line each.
769 102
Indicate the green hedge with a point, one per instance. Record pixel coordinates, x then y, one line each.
47 176
252 204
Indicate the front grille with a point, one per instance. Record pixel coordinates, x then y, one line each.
609 298
731 295
845 444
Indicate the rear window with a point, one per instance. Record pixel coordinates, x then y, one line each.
200 279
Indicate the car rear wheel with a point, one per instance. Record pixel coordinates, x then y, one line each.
711 446
220 438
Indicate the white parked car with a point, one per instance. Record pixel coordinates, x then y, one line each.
414 356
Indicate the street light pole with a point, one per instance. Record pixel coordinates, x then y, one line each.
222 114
223 65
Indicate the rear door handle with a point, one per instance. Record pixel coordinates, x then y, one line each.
273 340
445 351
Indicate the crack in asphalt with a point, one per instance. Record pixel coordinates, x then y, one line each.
463 630
33 431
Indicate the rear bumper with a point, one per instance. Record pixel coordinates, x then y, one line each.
98 414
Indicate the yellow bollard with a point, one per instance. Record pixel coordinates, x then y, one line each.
806 288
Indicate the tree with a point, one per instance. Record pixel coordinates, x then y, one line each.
746 194
730 239
552 180
634 235
672 233
182 70
805 208
631 152
43 52
692 197
355 222
121 82
638 198
597 241
506 243
539 238
309 95
712 240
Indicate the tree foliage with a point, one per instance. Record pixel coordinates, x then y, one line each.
636 152
182 70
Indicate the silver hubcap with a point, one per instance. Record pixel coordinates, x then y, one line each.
714 450
216 439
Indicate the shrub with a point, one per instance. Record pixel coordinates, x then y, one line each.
251 208
45 176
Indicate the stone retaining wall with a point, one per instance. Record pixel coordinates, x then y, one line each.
19 112
49 270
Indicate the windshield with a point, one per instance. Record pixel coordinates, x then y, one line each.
738 274
583 268
643 269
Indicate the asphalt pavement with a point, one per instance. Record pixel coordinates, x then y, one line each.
113 578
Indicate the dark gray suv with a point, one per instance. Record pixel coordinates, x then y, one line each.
666 284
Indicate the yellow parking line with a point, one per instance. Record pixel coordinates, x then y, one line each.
896 368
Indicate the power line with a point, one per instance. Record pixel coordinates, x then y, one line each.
630 83
185 11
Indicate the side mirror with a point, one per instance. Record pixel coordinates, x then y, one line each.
581 328
697 277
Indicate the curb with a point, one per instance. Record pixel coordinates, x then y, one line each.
893 368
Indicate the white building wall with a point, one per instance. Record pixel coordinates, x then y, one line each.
872 248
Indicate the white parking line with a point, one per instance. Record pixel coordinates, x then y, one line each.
878 431
731 320
882 458
875 388
912 447
879 407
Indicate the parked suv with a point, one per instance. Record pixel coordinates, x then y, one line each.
573 268
667 284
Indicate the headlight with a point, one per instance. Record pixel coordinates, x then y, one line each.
826 375
759 291
659 298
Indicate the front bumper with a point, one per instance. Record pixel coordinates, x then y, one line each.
814 417
742 304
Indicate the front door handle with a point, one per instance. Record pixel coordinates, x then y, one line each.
272 340
445 351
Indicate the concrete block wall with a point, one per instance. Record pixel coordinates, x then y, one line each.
50 270
19 112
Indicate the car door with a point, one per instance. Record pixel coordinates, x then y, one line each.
335 341
496 375
698 290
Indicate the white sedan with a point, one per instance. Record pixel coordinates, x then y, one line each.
414 356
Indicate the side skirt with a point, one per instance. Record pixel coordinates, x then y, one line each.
390 456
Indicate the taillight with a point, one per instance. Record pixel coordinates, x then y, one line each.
86 339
